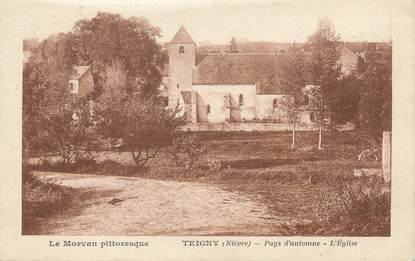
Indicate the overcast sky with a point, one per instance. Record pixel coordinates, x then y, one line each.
219 21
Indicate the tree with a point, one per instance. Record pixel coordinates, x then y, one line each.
375 106
142 123
324 68
233 47
99 42
109 37
71 131
45 80
346 98
292 75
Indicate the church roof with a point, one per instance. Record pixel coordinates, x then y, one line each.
182 37
241 68
78 72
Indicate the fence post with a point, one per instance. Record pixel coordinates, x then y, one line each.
386 155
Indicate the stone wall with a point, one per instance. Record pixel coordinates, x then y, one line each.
247 127
224 102
265 107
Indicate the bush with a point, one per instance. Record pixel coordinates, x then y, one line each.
71 131
355 207
41 199
110 167
83 165
90 166
188 151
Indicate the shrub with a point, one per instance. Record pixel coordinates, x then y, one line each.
188 151
355 207
41 199
83 165
71 131
143 124
110 167
90 166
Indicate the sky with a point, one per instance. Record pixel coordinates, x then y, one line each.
210 21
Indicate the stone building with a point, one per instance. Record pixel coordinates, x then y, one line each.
230 87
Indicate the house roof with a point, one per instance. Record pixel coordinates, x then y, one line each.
79 71
241 68
182 37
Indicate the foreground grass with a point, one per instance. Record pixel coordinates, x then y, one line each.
43 200
305 187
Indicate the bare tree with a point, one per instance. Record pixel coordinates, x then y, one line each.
233 47
293 77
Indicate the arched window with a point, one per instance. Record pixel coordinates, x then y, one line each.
208 108
275 103
178 86
312 117
241 100
181 49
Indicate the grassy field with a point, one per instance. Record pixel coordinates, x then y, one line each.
293 183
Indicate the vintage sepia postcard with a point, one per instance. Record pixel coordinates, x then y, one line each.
207 130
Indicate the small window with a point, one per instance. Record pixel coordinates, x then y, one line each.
181 49
71 86
275 103
208 108
165 101
305 100
187 97
177 85
241 100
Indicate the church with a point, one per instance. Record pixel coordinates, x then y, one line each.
229 87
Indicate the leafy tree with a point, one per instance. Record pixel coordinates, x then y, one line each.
233 47
292 75
30 44
345 99
71 131
45 80
375 107
142 123
324 68
100 42
109 37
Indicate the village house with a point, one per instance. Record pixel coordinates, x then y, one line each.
230 87
81 82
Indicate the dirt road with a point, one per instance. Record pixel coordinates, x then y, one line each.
154 207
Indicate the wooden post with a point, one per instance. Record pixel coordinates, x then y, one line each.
386 155
319 138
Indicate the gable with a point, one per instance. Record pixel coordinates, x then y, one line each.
78 72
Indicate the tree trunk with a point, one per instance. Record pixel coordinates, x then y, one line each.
319 138
293 139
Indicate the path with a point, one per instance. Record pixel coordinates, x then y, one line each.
155 207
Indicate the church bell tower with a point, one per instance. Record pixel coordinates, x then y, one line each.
182 60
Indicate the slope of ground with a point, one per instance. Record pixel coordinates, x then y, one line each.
138 206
